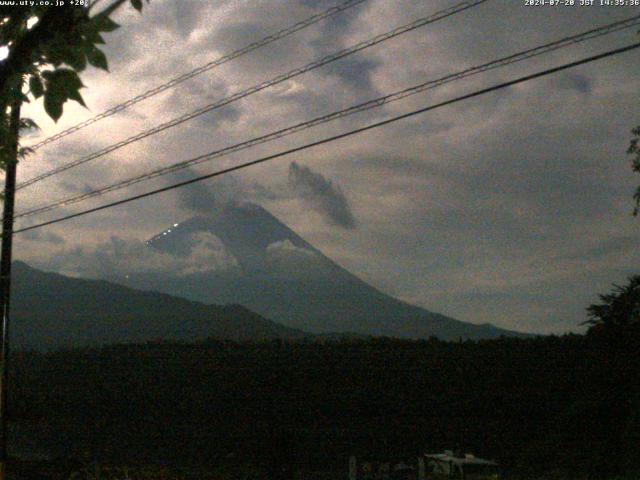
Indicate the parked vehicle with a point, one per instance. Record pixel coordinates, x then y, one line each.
434 466
450 466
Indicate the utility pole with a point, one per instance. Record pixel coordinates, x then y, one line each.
5 275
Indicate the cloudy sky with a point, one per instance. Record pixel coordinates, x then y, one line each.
513 208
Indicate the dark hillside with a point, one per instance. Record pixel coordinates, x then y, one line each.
564 404
54 311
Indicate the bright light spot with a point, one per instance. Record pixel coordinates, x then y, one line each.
31 22
175 224
4 52
164 233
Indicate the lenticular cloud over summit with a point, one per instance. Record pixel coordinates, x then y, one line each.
324 196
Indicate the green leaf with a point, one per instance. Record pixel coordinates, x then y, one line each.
63 79
28 124
96 38
91 34
23 152
137 4
105 24
53 104
35 85
61 84
97 58
75 95
75 58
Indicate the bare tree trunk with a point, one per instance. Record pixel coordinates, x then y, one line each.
5 277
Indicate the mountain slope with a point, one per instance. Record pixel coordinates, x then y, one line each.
274 272
51 310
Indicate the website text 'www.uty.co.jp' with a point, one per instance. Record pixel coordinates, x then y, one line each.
43 3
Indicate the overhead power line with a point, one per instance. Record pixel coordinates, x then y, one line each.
333 138
257 88
204 68
378 102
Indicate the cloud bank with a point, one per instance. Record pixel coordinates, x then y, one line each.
512 208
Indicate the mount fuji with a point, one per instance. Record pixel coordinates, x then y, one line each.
242 254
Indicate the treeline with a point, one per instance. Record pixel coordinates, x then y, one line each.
568 406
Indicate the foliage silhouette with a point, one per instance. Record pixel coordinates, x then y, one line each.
48 46
619 312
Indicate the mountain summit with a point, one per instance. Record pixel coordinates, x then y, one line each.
242 254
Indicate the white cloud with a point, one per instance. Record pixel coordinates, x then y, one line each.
119 258
285 247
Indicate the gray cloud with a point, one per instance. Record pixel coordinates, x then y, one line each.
322 195
575 81
203 198
43 236
199 198
356 73
199 92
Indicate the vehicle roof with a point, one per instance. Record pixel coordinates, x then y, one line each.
466 460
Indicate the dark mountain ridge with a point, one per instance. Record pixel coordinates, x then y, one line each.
52 311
